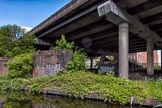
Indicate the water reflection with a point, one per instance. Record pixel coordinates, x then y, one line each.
23 100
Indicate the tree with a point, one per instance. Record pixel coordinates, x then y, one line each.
24 45
13 41
13 32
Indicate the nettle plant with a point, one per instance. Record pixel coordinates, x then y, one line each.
78 58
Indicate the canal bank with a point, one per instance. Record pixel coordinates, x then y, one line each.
25 100
100 97
87 85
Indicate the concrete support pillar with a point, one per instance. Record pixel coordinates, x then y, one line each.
150 57
123 50
161 60
91 65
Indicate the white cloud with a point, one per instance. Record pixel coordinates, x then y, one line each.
26 28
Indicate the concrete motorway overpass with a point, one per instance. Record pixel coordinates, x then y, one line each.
116 26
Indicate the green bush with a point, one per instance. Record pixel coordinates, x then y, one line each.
20 66
80 84
78 61
35 89
63 44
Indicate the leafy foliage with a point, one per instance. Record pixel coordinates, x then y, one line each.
24 45
80 84
35 89
8 34
63 44
20 66
12 32
78 61
13 41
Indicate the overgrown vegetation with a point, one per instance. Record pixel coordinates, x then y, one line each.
80 84
63 44
24 45
8 37
20 66
26 100
78 58
16 44
14 41
78 61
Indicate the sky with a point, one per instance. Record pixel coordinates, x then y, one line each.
28 13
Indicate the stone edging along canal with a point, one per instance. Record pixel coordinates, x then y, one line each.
93 96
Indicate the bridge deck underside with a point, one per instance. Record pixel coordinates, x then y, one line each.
95 34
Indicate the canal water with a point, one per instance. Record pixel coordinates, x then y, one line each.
23 100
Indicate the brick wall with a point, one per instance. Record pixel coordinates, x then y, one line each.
50 62
156 58
141 57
